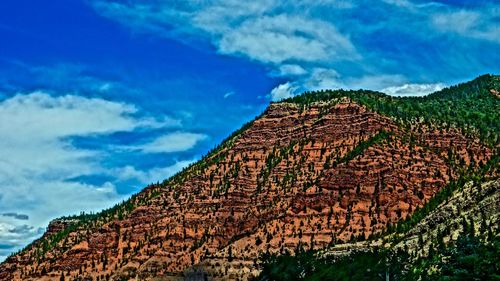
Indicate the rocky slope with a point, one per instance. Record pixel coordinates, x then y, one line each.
473 207
300 175
457 240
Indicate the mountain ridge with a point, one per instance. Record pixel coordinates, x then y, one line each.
301 157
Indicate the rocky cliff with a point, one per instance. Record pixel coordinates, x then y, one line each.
300 175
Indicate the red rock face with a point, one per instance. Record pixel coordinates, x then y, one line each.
290 180
57 225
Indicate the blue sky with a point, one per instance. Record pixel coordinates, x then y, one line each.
100 97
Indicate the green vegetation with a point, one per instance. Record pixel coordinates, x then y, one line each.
470 106
308 266
362 146
469 258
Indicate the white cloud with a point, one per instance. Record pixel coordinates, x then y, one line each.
376 81
413 89
46 117
256 30
476 24
38 159
291 70
282 91
152 175
14 235
320 44
172 142
228 94
265 31
322 78
34 128
45 200
281 38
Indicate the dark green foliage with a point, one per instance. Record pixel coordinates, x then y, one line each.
362 146
465 105
373 265
466 259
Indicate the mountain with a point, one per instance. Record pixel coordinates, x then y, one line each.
316 170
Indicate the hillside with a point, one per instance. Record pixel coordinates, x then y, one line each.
460 232
319 169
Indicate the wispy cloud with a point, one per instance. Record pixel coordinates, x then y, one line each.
34 148
39 162
65 77
14 236
476 24
282 91
168 143
16 216
413 89
152 175
228 94
280 38
315 44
